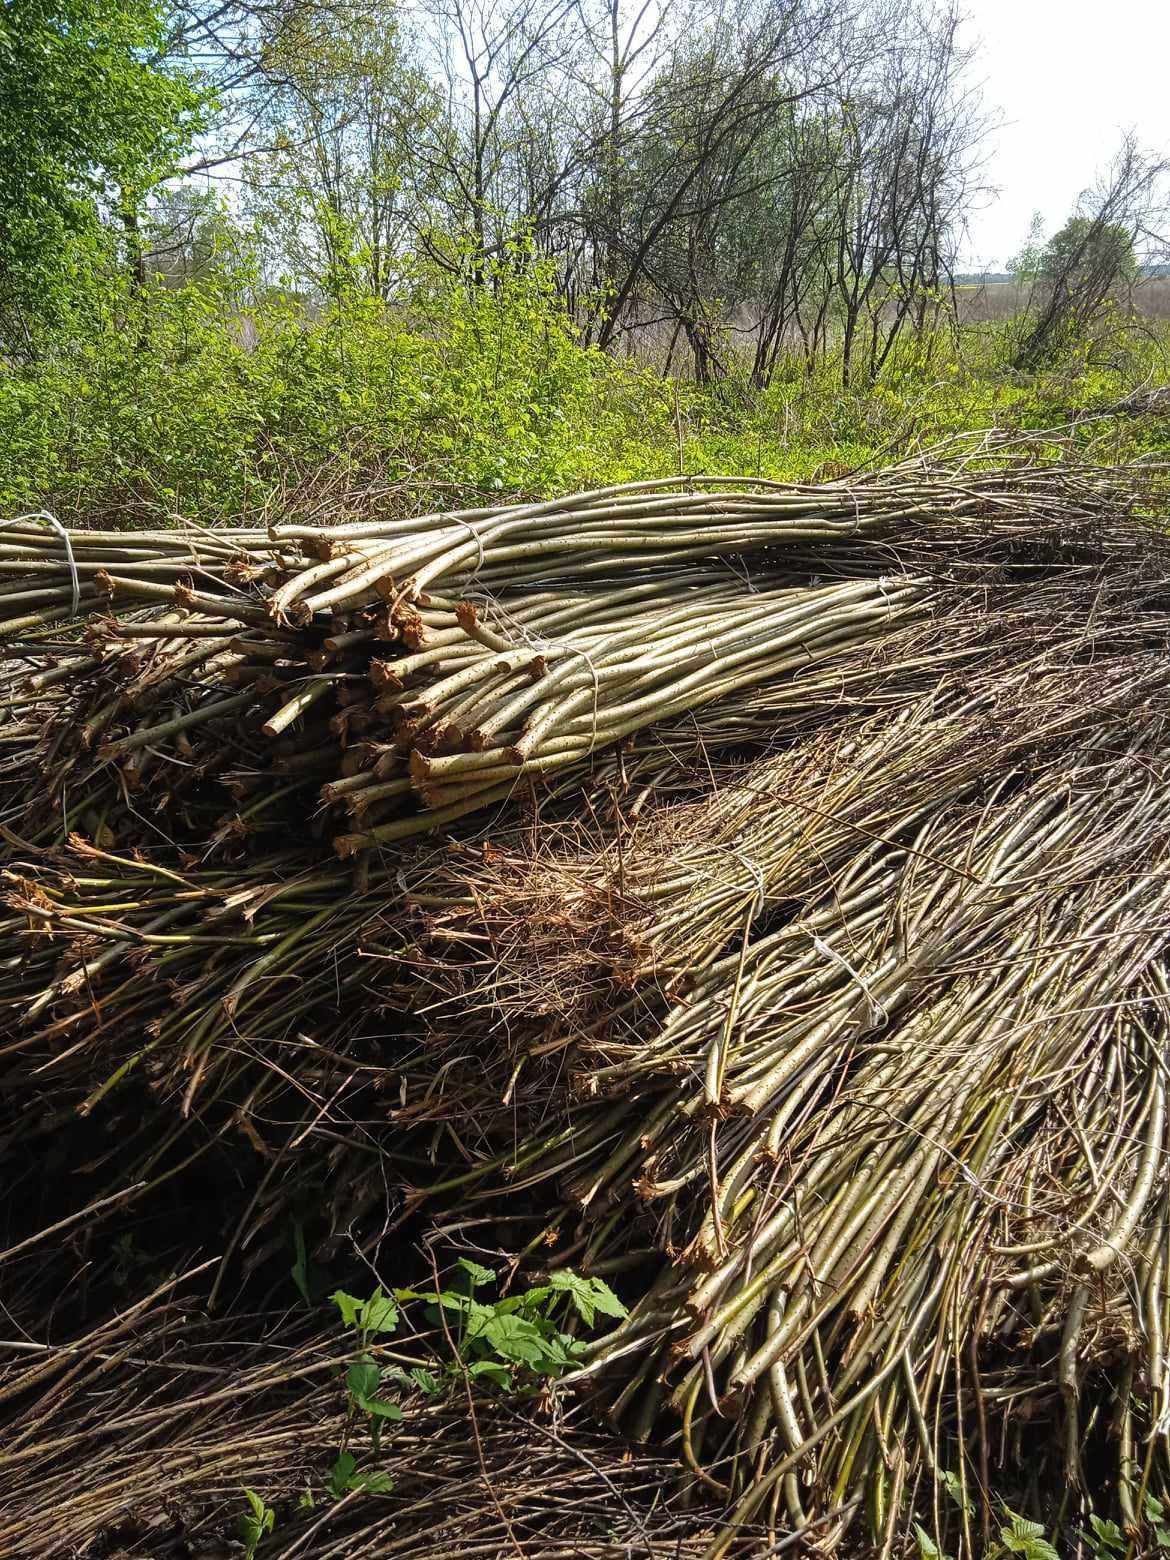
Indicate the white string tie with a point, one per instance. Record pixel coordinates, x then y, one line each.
878 1016
74 578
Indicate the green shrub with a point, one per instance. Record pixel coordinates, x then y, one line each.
227 399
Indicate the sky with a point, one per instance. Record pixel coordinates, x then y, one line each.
1065 79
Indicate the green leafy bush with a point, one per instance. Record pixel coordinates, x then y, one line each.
227 399
221 400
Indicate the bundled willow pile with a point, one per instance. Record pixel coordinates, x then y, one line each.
756 895
374 683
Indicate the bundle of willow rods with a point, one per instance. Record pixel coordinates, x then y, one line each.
496 706
812 987
375 682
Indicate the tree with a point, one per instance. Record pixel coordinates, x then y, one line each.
1025 266
746 175
906 131
339 182
736 72
90 120
1081 268
1084 249
191 238
498 61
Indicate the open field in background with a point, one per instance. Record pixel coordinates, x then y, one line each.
983 301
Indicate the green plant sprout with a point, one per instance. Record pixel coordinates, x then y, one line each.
519 1336
508 1343
256 1523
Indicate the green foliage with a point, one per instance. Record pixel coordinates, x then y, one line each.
590 1296
1026 265
362 1380
222 399
1105 1538
1085 246
344 126
378 1314
372 1318
520 1338
1016 1536
89 120
954 1488
256 1523
345 1477
244 394
1155 1514
510 1343
1019 1536
927 1548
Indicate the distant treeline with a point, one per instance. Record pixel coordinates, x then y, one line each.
1145 272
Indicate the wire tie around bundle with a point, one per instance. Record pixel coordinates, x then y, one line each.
477 539
751 866
543 646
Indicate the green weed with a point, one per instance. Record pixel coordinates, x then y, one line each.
512 1343
256 1523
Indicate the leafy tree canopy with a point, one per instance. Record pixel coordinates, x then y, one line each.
90 118
1089 246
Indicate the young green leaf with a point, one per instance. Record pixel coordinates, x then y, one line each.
374 1483
424 1381
589 1295
1023 1527
478 1316
380 1408
379 1313
1024 1537
1108 1534
476 1272
491 1370
363 1377
927 1548
529 1302
340 1474
515 1338
954 1488
349 1306
257 1521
